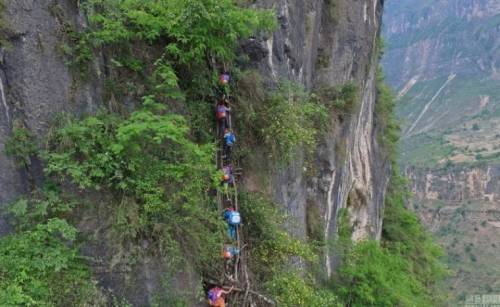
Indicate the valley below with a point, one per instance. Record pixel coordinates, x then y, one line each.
443 61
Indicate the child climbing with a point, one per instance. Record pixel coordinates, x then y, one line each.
229 254
233 219
227 178
229 140
222 114
224 79
216 296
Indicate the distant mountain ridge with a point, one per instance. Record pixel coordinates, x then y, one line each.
443 58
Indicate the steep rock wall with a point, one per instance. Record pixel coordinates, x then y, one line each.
330 43
318 43
36 84
457 185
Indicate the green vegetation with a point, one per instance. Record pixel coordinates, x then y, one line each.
21 146
426 150
271 248
194 29
404 235
405 268
270 245
290 120
341 100
145 160
285 119
385 118
154 45
291 289
373 276
39 262
150 168
4 27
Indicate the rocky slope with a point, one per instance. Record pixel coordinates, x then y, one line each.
461 206
318 43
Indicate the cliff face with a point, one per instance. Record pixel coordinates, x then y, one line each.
318 43
326 43
461 207
36 84
458 185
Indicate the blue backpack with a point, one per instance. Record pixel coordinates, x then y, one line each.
229 138
234 218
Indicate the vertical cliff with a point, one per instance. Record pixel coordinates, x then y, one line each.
331 43
319 43
36 84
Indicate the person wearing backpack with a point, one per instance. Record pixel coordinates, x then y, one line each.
230 252
227 179
215 296
229 140
224 79
233 219
221 113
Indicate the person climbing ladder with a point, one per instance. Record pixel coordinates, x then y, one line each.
228 202
224 79
230 253
233 220
229 140
222 110
216 296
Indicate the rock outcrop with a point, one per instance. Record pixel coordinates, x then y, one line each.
330 43
457 185
461 206
36 84
318 43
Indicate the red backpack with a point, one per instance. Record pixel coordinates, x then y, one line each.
224 79
221 111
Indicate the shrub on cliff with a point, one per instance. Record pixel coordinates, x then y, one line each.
270 249
284 120
145 161
404 235
39 262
